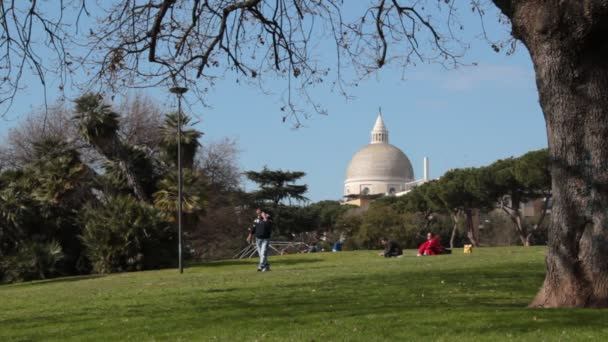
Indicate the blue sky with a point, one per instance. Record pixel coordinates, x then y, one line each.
466 117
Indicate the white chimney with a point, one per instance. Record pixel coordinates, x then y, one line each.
425 169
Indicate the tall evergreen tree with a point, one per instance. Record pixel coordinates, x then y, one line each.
277 185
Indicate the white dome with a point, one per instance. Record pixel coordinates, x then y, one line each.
378 168
379 162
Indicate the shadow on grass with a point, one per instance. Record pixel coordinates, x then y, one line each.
477 301
452 299
241 262
506 287
56 280
223 263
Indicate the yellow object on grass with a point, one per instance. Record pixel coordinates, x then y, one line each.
468 249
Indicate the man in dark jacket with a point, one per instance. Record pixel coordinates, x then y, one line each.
262 229
391 248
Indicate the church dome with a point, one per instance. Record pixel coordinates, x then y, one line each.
378 162
378 168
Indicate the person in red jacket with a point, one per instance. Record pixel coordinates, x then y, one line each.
431 246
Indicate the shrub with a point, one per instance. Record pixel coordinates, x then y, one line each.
122 234
33 260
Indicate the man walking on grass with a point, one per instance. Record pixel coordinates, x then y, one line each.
261 229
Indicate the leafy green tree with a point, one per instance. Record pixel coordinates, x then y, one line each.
165 198
38 206
533 170
190 140
515 181
423 208
60 183
349 225
277 185
124 234
34 260
327 214
422 199
292 220
59 176
383 220
463 193
16 211
99 126
52 195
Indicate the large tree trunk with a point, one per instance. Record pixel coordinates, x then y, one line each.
569 47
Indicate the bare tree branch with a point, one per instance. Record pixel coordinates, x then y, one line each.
152 43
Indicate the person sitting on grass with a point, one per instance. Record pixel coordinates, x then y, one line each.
391 248
432 246
337 247
313 248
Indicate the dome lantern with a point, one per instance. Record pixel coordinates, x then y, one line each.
379 132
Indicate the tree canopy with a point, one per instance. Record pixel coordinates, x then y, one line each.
277 185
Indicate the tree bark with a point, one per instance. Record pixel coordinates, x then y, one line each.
515 215
454 229
569 49
543 213
472 231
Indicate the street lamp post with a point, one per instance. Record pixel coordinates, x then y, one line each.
179 91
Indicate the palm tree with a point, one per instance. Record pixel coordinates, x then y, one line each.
190 137
15 208
99 127
34 260
38 234
98 123
146 170
165 199
59 175
124 234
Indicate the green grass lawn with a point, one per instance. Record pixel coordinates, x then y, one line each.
347 296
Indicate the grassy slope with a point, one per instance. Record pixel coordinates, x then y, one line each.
339 297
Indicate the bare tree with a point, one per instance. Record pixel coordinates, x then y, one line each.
146 43
218 161
27 28
18 149
141 121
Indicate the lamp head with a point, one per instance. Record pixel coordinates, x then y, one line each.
178 90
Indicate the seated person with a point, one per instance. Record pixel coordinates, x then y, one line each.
391 248
313 248
431 246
